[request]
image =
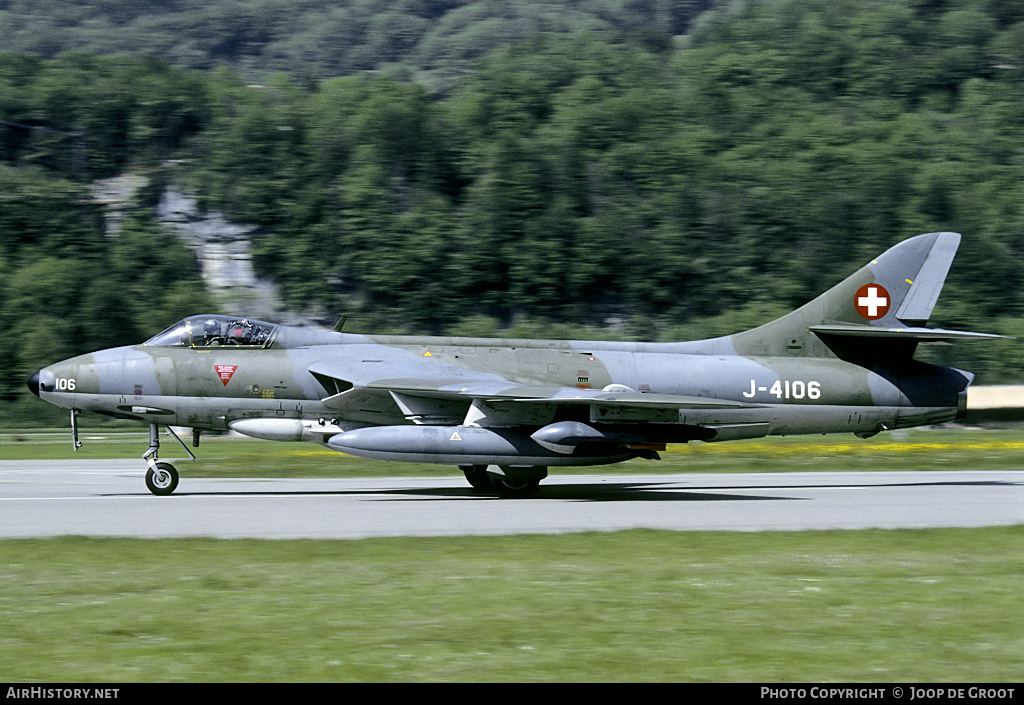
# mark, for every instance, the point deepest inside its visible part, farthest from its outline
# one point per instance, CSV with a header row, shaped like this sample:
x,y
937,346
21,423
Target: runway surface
x,y
109,498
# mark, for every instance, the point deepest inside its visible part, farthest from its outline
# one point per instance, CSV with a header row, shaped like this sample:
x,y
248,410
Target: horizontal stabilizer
x,y
924,335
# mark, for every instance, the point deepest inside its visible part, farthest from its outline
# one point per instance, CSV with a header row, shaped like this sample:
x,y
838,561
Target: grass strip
x,y
878,606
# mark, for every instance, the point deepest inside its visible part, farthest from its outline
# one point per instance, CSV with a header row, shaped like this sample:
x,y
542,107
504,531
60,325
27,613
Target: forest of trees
x,y
660,180
434,40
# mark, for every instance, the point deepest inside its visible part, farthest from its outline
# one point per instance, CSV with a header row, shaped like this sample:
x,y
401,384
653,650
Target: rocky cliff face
x,y
223,248
224,251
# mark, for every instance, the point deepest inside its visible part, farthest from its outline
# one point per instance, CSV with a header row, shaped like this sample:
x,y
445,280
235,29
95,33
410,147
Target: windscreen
x,y
215,331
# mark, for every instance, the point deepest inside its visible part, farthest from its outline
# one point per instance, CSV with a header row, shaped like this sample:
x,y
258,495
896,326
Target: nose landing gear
x,y
162,477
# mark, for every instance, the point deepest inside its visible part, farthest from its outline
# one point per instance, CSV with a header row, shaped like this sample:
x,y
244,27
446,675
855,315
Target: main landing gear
x,y
506,481
162,477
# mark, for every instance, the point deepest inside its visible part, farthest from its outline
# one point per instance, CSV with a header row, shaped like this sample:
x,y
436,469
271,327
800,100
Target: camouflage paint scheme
x,y
505,410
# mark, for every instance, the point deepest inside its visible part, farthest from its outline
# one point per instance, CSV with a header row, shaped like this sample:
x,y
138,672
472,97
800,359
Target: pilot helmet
x,y
211,327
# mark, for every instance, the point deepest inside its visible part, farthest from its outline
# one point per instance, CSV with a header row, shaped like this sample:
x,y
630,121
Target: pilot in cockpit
x,y
212,332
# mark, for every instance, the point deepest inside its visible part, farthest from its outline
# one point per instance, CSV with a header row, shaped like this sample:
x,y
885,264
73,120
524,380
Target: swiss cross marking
x,y
225,372
872,301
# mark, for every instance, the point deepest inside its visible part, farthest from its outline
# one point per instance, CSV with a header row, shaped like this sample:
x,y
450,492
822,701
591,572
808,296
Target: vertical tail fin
x,y
882,305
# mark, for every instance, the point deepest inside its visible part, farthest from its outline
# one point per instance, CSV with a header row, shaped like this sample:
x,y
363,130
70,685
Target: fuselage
x,y
291,375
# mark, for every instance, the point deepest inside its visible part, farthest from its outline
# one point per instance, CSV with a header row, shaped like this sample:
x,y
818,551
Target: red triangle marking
x,y
225,372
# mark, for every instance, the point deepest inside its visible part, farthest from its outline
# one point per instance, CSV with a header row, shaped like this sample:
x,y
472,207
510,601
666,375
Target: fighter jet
x,y
507,410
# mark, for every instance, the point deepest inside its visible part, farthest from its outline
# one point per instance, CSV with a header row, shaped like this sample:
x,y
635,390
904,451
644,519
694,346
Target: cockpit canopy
x,y
216,331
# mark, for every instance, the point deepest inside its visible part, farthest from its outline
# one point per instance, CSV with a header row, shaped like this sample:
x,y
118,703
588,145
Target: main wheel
x,y
514,488
477,476
162,479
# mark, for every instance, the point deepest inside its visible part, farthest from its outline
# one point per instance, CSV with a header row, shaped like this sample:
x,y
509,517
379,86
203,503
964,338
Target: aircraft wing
x,y
491,403
511,392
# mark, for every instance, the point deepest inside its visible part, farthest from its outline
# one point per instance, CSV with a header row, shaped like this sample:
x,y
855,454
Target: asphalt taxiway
x,y
109,498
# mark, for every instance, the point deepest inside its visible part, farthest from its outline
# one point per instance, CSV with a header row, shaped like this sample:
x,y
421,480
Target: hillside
x,y
433,40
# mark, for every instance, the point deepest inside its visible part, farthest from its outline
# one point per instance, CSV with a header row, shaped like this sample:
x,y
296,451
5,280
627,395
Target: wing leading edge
x,y
422,398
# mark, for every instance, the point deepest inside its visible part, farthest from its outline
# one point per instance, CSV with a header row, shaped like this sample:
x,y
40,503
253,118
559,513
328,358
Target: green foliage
x,y
91,117
325,38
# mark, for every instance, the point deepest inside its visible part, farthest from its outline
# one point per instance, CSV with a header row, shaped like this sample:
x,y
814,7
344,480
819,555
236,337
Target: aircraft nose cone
x,y
41,381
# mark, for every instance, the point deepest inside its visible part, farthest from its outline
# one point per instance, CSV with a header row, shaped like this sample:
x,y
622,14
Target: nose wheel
x,y
162,477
